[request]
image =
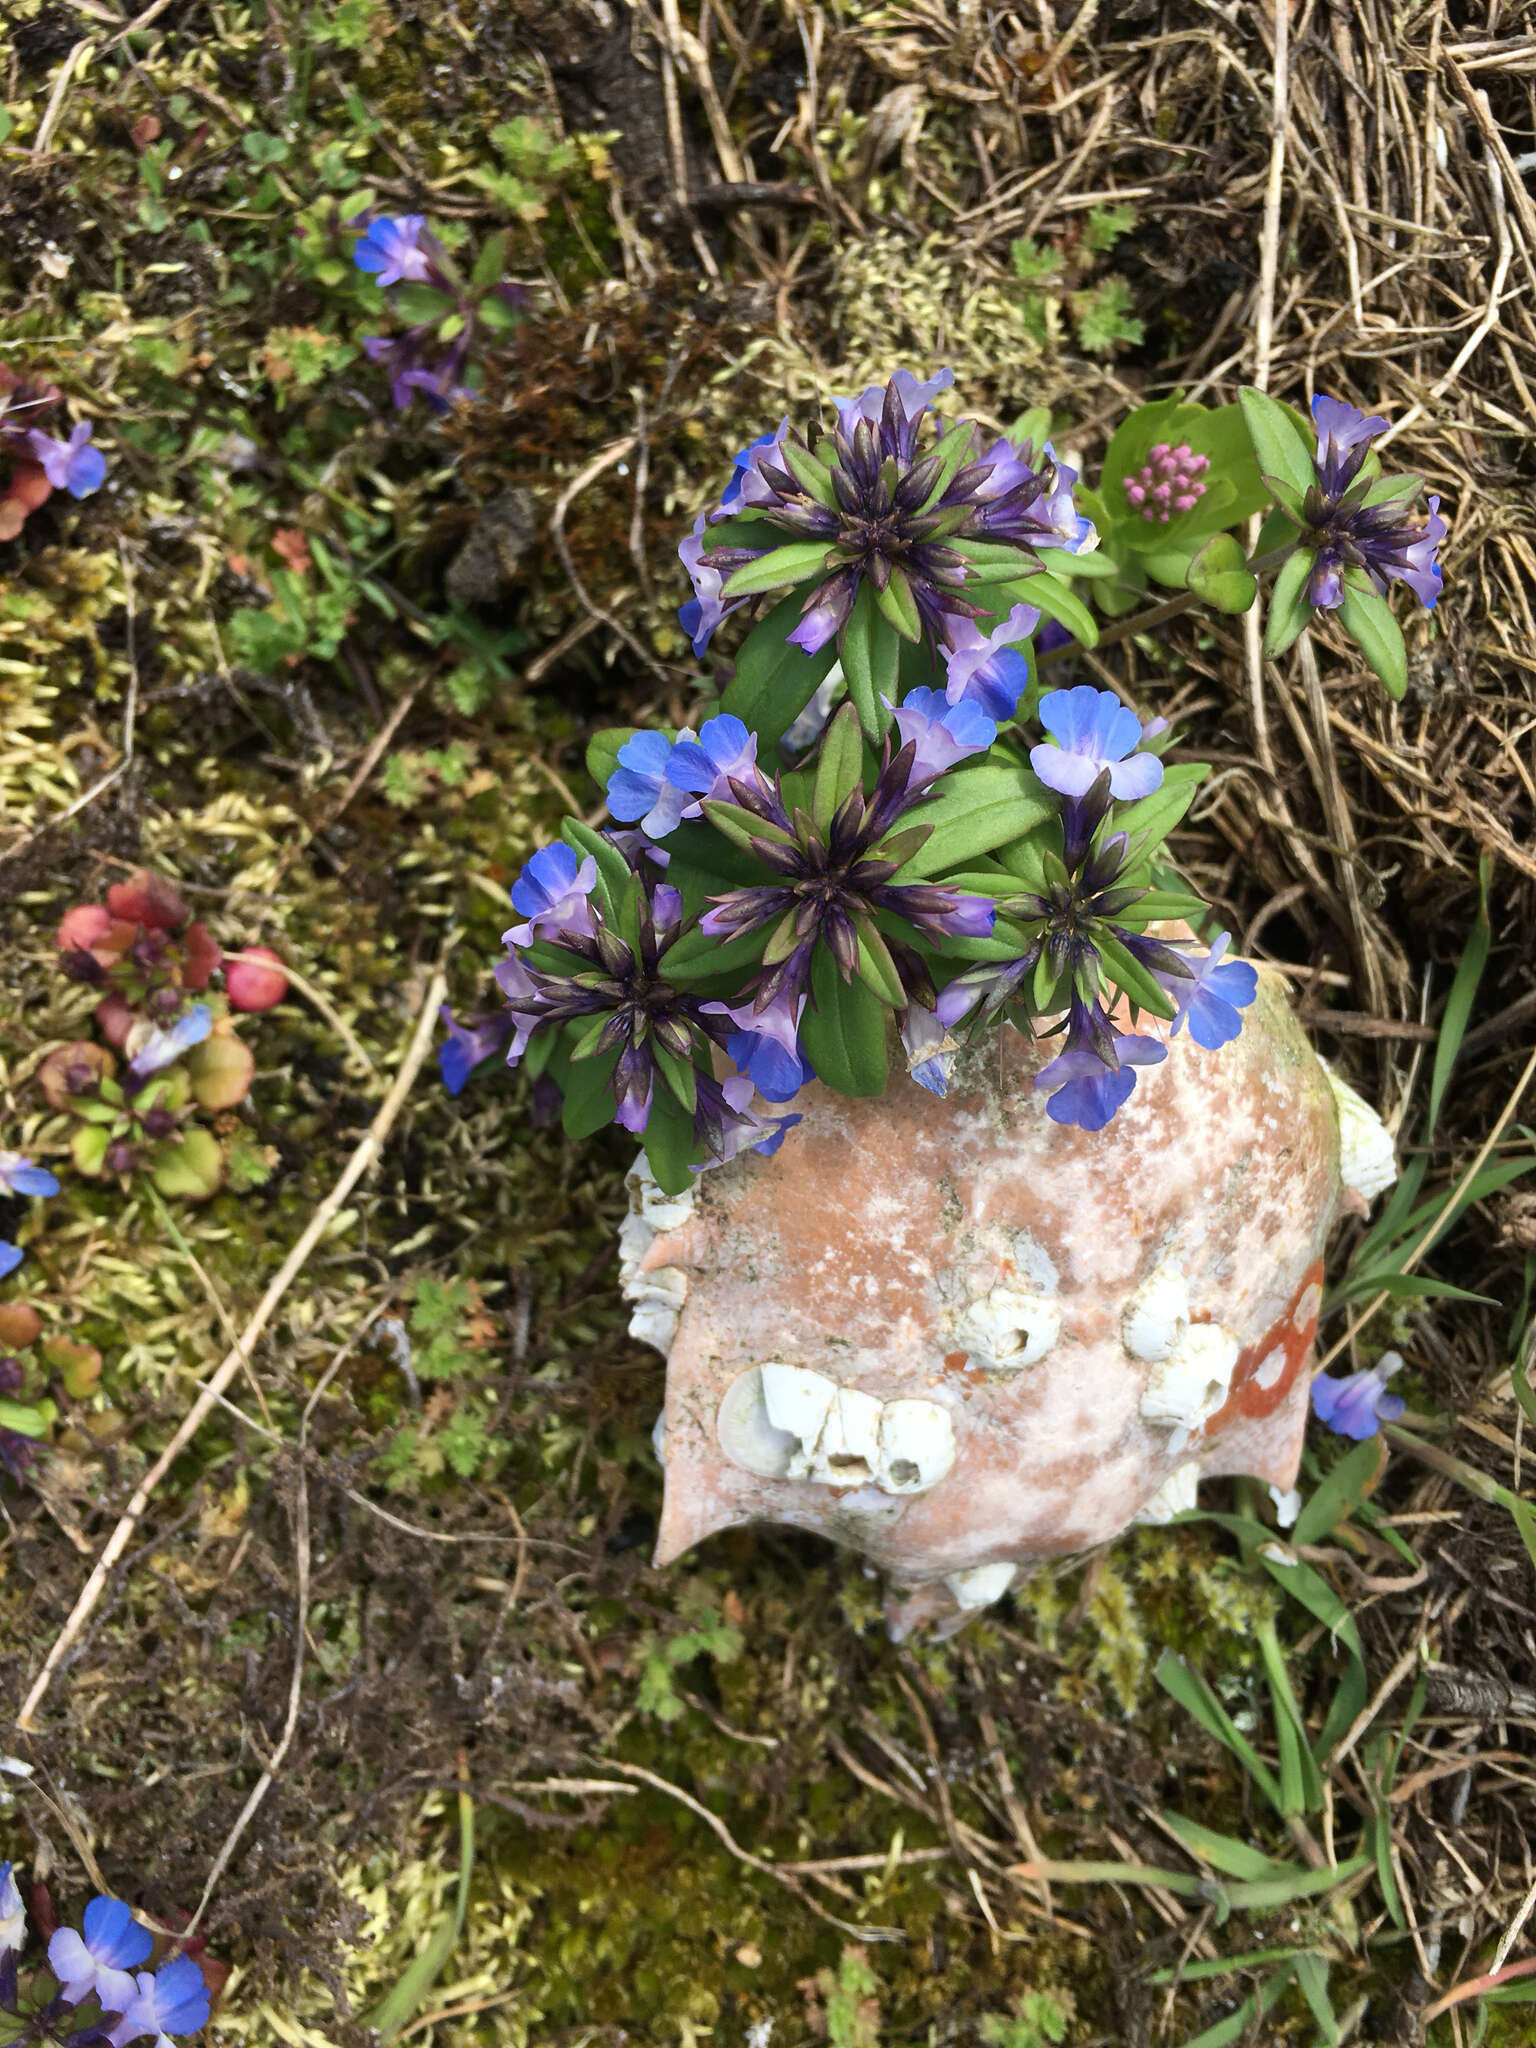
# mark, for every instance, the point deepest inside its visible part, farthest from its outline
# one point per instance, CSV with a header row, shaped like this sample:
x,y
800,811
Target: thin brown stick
x,y
366,1155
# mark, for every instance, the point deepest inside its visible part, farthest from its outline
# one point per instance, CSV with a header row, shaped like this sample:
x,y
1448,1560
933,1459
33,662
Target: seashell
x,y
960,1339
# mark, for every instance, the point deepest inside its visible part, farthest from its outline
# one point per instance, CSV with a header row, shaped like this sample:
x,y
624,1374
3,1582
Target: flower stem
x,y
1170,608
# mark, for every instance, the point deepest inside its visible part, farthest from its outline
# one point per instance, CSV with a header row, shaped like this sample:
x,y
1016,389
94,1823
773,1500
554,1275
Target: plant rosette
x,y
982,1206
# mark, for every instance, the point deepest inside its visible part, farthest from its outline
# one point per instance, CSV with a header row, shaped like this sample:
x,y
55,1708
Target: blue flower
x,y
929,1048
392,250
746,487
100,1960
726,1123
13,1919
552,893
1093,731
11,1256
1357,1405
1211,995
467,1046
167,1042
942,732
704,765
1344,530
766,1044
637,788
987,668
72,465
19,1176
173,2000
705,609
1087,1092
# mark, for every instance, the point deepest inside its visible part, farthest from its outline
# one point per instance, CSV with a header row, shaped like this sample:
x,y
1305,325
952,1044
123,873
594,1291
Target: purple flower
x,y
1344,530
819,625
942,731
552,893
72,465
392,250
1344,437
987,669
468,1045
992,986
19,1176
167,1042
726,1124
13,1920
523,1009
971,918
99,1960
1211,995
634,1082
1093,731
11,1256
912,400
766,1044
173,2000
930,1049
747,487
705,609
1357,1405
1086,1091
1028,503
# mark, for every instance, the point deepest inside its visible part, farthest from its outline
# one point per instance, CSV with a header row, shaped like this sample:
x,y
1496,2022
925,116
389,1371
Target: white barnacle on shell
x,y
981,1585
1367,1157
1175,1496
1008,1328
650,1201
788,1422
657,1297
1156,1318
1192,1383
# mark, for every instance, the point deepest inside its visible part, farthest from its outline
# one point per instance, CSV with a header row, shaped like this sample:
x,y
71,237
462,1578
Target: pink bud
x,y
1184,503
1160,449
251,983
1135,492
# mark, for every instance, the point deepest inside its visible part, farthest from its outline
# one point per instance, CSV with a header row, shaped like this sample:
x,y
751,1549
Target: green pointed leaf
x,y
839,765
777,569
843,1030
671,1148
1458,1004
1093,563
1278,441
495,313
741,827
491,263
877,970
985,804
1057,600
1151,818
871,655
420,304
1351,1481
1196,1697
1223,1852
952,449
1369,622
23,1420
991,561
774,681
614,874
1394,490
899,608
1288,613
1127,972
589,1097
680,1076
813,476
603,752
1220,574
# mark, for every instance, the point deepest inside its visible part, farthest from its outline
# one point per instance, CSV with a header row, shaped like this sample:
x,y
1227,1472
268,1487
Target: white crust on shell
x,y
788,1422
657,1296
981,1585
1008,1328
1174,1497
1187,1388
1156,1317
1367,1156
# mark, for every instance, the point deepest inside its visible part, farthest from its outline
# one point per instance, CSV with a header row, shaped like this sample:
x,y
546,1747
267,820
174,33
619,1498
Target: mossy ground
x,y
480,1611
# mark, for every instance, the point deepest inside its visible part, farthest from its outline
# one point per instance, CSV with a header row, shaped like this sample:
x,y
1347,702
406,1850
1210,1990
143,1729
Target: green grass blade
x,y
1222,1966
1235,2026
1312,1976
1266,1893
399,2005
1458,1006
1223,1852
1196,1697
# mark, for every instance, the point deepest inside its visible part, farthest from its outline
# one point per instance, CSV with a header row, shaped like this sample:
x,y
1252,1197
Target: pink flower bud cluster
x,y
1168,482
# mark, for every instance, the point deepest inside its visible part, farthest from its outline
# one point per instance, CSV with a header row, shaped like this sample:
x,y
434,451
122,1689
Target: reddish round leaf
x,y
252,983
203,954
148,899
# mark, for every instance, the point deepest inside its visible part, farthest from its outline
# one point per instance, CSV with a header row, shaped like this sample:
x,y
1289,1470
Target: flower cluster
x,y
884,832
98,1994
884,506
153,965
1352,520
438,304
39,463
